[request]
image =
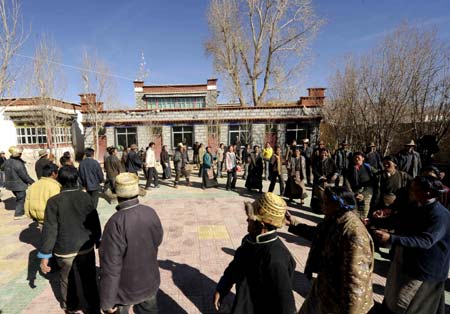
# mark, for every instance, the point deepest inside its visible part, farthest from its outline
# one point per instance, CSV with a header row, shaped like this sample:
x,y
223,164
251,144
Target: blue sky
x,y
171,34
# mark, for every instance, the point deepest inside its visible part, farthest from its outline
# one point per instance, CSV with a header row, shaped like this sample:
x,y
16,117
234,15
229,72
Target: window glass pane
x,y
122,140
177,138
131,139
188,139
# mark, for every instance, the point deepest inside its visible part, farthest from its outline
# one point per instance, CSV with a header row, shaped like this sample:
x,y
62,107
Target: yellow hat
x,y
127,185
269,209
15,151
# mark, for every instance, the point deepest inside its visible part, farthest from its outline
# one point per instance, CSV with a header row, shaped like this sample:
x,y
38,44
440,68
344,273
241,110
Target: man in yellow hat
x,y
128,254
17,179
262,268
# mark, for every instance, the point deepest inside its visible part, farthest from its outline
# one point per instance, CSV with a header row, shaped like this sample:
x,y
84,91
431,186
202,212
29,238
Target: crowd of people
x,y
369,202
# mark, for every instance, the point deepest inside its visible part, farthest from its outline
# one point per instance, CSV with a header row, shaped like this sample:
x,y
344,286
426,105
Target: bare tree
x,y
12,37
48,84
400,88
257,42
99,91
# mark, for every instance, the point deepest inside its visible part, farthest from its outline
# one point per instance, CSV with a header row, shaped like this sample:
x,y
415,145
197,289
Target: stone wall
x,y
89,137
211,98
167,136
201,134
258,134
224,134
294,113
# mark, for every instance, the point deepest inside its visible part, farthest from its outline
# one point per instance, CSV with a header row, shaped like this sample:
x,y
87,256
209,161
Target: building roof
x,y
175,89
35,101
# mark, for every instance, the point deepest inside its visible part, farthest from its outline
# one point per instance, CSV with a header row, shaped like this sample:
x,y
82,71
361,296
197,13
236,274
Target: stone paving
x,y
202,230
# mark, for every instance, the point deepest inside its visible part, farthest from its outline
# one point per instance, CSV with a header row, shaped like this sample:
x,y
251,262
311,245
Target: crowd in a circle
x,y
370,203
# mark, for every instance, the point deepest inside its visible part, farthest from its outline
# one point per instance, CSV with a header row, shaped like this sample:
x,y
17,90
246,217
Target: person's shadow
x,y
32,235
194,285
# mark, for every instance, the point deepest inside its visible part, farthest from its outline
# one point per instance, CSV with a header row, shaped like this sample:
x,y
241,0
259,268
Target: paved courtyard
x,y
202,230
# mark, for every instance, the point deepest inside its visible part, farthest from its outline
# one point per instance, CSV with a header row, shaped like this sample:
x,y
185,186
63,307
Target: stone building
x,y
170,114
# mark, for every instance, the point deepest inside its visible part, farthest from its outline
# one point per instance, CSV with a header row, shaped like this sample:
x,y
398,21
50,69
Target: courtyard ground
x,y
202,230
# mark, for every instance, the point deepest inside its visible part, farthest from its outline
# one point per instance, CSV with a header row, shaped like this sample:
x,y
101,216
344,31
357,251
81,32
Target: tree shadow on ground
x,y
194,285
229,251
381,267
10,203
167,305
301,284
290,238
378,289
32,235
306,216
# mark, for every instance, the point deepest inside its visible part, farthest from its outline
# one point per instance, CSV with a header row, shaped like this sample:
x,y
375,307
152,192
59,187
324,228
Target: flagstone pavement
x,y
202,229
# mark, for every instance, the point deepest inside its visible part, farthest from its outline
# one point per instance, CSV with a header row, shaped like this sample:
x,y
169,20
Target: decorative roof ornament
x,y
143,72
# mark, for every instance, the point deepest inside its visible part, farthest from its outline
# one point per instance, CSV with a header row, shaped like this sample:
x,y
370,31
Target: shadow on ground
x,y
10,203
194,285
167,305
32,235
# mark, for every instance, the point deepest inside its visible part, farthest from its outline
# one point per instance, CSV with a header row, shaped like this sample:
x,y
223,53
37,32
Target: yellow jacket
x,y
38,195
267,153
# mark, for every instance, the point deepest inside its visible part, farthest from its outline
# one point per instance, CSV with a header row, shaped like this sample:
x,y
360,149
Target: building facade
x,y
170,114
40,123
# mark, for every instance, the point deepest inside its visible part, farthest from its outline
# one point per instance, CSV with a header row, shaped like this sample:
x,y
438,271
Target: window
x,y
176,102
296,131
182,134
125,137
62,135
31,135
241,131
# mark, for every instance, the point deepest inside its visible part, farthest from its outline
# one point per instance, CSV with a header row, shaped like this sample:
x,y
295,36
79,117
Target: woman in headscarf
x,y
341,255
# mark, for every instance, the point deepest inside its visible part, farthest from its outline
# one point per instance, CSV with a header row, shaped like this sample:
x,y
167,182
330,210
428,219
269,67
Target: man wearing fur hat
x,y
262,268
17,179
128,254
42,162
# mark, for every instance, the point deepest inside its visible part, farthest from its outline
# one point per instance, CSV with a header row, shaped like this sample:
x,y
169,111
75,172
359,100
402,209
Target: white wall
x,y
8,136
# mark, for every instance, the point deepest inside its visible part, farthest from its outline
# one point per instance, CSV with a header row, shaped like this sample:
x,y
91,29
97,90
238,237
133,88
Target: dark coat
x,y
16,175
164,158
113,167
410,163
71,223
374,159
39,166
343,160
134,163
324,168
424,234
263,271
255,171
128,255
91,174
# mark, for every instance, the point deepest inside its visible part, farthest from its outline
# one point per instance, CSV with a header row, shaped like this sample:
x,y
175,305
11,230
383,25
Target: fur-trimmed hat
x,y
269,209
411,143
127,185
